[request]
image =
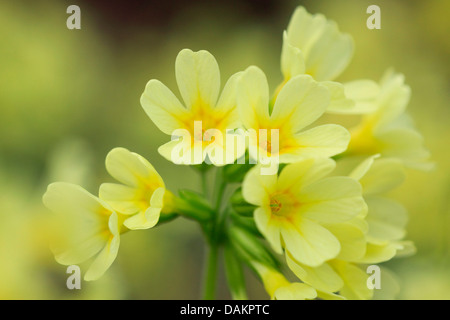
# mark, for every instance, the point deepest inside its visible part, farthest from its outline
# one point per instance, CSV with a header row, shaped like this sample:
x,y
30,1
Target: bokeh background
x,y
69,96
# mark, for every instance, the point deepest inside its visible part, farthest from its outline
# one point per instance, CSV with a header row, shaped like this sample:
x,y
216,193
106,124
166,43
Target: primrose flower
x,y
314,45
141,195
199,129
386,218
89,227
297,210
300,102
279,288
367,239
388,130
335,279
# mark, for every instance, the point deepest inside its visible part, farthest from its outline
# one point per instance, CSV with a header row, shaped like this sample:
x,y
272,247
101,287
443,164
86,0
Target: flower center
x,y
283,204
275,205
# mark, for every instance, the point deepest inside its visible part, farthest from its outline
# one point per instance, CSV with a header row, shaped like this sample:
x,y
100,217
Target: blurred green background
x,y
69,96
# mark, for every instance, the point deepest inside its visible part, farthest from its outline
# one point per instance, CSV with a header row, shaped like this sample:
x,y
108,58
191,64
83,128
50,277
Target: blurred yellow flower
x,y
140,196
386,218
388,130
323,50
204,116
300,102
297,210
88,227
279,288
314,45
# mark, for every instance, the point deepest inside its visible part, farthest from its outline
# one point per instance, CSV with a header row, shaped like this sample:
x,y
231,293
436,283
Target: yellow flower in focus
x,y
300,102
388,130
368,239
297,210
89,227
279,288
142,193
199,128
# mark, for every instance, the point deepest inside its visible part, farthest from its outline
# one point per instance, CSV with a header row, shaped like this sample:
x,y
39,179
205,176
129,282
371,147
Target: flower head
x,y
89,227
300,102
321,49
140,196
296,210
279,288
314,45
388,130
202,122
370,238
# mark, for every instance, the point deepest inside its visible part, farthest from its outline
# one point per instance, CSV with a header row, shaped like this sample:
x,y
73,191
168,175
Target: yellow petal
x,y
339,102
323,141
322,278
295,291
69,199
131,169
269,228
198,77
330,55
363,167
123,199
309,243
352,240
393,98
387,218
355,280
292,61
253,98
377,253
163,107
80,252
181,151
109,253
364,93
295,176
327,52
300,102
227,104
256,187
332,200
405,144
149,218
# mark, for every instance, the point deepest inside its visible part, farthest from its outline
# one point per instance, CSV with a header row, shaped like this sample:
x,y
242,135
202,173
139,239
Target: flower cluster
x,y
318,217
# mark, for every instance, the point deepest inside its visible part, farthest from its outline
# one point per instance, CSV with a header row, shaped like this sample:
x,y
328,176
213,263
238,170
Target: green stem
x,y
218,190
204,183
214,239
209,289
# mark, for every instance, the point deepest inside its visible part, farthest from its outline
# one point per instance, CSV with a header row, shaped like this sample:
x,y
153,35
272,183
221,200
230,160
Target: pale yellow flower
x,y
371,238
199,127
388,130
298,210
279,288
89,227
314,45
140,196
386,217
322,50
300,102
